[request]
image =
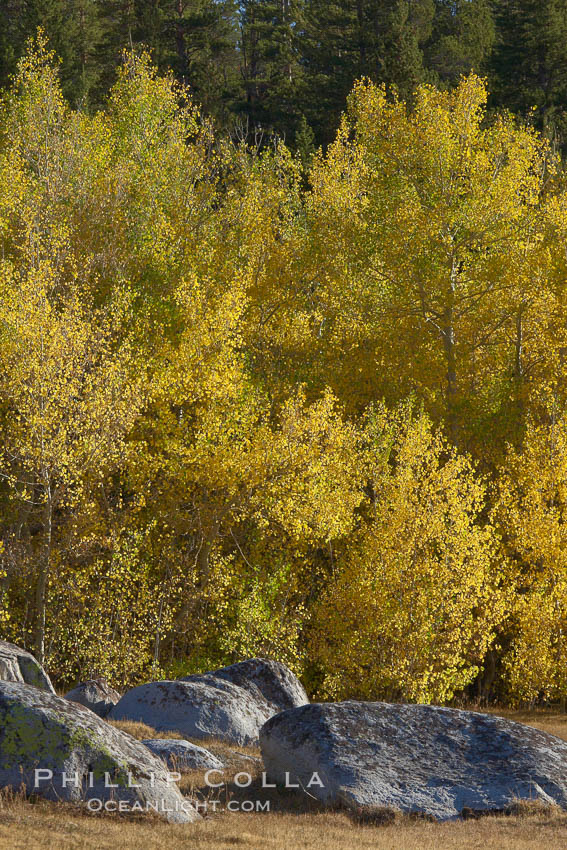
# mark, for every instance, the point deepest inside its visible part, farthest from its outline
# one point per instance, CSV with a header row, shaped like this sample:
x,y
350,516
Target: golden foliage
x,y
207,450
413,604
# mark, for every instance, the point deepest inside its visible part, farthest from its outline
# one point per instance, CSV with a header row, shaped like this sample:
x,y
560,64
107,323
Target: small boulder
x,y
18,665
264,678
414,758
62,751
182,755
95,694
200,708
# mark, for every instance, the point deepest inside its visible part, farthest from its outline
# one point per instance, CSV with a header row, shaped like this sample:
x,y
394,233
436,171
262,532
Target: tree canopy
x,y
309,405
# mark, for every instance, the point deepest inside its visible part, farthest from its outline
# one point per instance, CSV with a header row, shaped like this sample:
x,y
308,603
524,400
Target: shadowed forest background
x,y
282,350
287,66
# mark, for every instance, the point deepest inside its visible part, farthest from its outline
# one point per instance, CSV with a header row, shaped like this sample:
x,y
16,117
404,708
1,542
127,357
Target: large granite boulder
x,y
18,665
183,755
95,694
200,708
62,751
266,680
414,758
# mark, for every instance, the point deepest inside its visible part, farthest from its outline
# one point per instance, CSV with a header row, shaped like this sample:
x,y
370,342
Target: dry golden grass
x,y
60,827
292,823
548,720
140,731
220,748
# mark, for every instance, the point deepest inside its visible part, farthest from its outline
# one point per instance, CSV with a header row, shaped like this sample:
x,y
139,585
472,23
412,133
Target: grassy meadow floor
x,y
290,825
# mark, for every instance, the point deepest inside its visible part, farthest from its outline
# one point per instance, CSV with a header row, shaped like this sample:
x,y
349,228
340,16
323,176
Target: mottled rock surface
x,y
40,731
95,694
414,758
200,708
231,703
265,680
183,755
18,665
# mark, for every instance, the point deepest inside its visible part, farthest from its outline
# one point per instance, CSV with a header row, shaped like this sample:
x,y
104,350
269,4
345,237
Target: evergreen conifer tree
x,y
530,61
379,39
271,65
462,39
75,30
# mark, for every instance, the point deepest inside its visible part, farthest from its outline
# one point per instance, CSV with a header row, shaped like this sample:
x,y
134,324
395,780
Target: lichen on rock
x,y
86,757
